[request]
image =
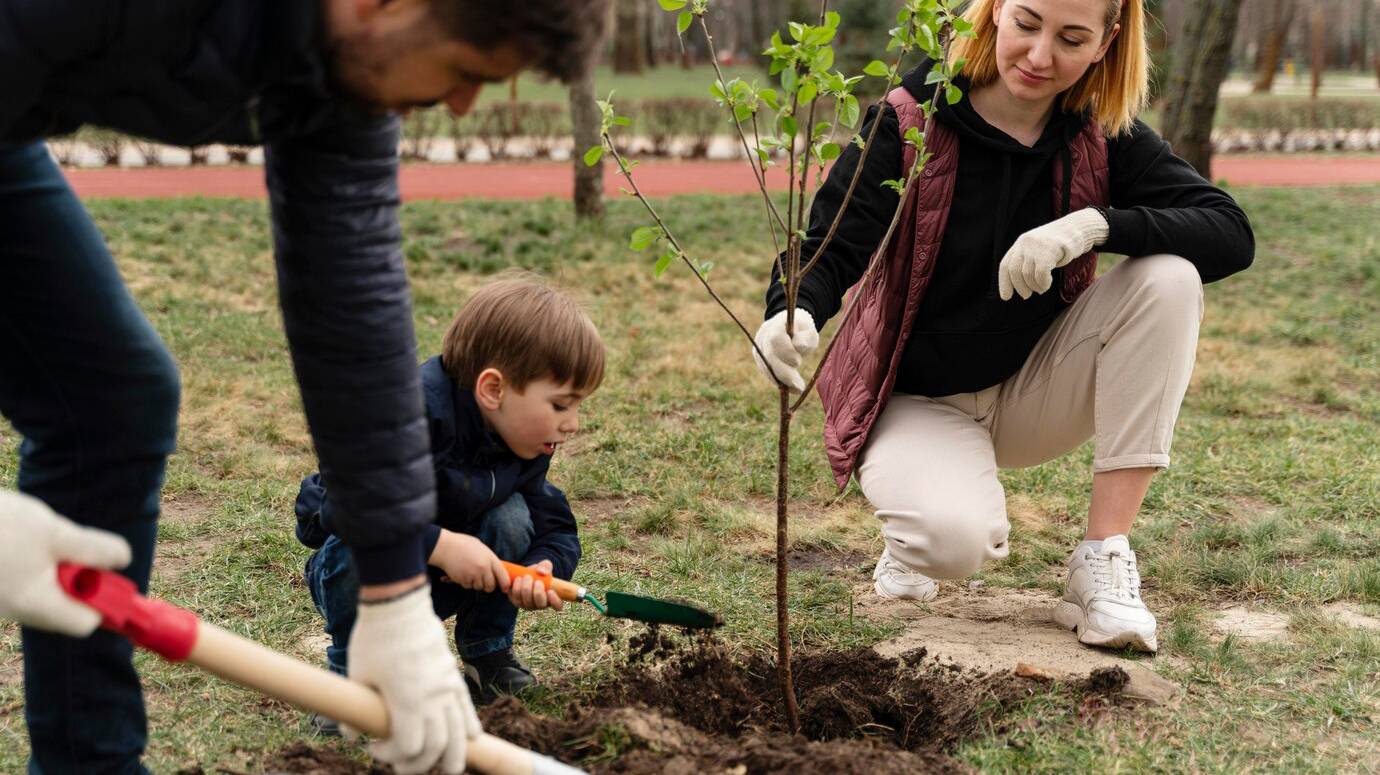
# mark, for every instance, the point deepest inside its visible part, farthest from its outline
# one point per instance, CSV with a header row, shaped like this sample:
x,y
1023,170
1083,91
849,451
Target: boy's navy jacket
x,y
190,72
475,472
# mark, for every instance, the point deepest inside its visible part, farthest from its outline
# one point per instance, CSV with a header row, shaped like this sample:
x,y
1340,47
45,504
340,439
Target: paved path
x,y
534,180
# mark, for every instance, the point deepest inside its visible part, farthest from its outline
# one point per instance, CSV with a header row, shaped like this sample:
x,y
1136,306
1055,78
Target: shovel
x,y
620,605
177,635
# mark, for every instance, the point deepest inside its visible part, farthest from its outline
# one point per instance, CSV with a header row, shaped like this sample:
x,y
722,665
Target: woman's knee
x,y
945,543
1172,282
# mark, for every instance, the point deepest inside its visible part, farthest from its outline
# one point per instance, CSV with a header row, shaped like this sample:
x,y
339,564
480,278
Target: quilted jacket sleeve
x,y
348,315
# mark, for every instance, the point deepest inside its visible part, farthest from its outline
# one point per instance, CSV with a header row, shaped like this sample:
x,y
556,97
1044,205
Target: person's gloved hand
x,y
33,540
784,352
1028,267
399,647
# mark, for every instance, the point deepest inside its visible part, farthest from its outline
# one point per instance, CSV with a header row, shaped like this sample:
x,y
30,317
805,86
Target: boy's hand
x,y
469,563
527,593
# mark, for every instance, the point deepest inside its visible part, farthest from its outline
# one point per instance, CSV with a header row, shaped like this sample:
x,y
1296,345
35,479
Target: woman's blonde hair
x,y
1115,89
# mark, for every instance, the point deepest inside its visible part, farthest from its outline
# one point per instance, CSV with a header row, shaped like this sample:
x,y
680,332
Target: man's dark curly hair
x,y
563,36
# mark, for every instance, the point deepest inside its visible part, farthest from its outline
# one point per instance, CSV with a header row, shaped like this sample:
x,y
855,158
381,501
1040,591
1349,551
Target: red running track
x,y
534,180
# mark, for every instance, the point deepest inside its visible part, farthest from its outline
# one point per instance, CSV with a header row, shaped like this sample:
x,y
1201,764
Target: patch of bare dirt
x,y
1259,625
172,559
992,631
1351,616
1252,625
680,706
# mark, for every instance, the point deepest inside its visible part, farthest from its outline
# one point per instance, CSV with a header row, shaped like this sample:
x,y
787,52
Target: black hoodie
x,y
965,338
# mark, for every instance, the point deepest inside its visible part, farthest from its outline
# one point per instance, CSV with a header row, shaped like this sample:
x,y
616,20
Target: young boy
x,y
516,363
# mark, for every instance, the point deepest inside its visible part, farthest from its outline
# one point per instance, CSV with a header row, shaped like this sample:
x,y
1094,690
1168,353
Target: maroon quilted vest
x,y
859,375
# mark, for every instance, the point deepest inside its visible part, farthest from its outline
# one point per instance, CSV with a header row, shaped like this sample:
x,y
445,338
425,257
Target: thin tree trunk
x,y
783,616
1191,97
584,118
1272,45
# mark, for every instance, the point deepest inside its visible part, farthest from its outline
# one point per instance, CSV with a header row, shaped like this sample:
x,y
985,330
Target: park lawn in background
x,y
666,81
1273,502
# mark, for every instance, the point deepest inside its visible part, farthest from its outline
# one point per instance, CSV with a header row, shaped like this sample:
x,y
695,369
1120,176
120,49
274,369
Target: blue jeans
x,y
90,387
484,621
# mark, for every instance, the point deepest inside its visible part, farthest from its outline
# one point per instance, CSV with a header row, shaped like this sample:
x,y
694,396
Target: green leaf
x,y
850,111
860,142
622,121
832,19
808,91
742,112
898,185
928,41
664,262
789,125
824,59
829,151
671,5
962,26
797,31
644,237
705,266
934,76
878,68
913,136
770,97
593,155
953,94
789,79
684,21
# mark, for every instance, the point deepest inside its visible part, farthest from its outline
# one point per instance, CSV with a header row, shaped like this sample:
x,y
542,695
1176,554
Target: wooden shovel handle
x,y
565,590
250,664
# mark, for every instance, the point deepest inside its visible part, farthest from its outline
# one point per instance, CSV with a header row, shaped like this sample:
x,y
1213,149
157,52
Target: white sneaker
x,y
894,581
1102,598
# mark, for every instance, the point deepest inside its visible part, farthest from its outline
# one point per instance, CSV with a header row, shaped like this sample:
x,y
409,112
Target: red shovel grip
x,y
162,628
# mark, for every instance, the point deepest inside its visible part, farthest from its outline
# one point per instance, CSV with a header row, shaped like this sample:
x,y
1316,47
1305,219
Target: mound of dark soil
x,y
683,706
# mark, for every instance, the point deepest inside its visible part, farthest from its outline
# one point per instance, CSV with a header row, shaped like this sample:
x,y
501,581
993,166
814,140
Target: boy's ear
x,y
488,389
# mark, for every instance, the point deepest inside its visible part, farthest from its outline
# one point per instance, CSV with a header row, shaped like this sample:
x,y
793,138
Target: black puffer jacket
x,y
475,472
253,71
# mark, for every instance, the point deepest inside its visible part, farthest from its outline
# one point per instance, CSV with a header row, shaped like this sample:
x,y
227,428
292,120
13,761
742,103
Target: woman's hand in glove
x,y
783,352
1028,267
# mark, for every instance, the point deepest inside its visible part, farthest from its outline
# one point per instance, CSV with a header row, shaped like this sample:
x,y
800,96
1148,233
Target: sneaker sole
x,y
929,595
1070,615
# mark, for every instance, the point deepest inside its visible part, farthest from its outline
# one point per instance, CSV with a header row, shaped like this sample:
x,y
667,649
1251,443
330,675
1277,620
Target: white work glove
x,y
399,647
33,540
1028,267
784,352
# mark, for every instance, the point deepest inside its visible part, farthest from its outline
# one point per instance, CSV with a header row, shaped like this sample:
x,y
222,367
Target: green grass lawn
x,y
1273,501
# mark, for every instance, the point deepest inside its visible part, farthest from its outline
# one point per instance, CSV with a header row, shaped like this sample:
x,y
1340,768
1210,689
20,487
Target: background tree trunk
x,y
1199,68
628,49
584,117
1317,46
1272,44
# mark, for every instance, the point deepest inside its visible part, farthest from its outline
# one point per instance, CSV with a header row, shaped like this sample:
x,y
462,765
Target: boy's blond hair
x,y
1115,90
528,331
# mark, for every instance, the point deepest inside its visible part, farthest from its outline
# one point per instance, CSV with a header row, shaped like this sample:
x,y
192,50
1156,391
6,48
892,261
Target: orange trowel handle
x,y
565,590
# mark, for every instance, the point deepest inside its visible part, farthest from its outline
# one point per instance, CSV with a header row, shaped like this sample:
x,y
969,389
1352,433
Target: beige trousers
x,y
1114,366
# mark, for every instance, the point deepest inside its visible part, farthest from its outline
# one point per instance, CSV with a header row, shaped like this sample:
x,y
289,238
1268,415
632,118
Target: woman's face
x,y
1045,46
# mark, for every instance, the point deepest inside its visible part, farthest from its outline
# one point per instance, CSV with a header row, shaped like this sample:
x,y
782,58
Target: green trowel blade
x,y
649,609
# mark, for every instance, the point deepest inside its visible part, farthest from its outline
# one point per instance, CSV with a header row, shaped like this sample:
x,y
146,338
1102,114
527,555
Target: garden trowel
x,y
178,635
621,605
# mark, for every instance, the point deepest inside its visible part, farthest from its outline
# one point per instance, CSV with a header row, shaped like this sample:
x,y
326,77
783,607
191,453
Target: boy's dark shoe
x,y
324,726
496,674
